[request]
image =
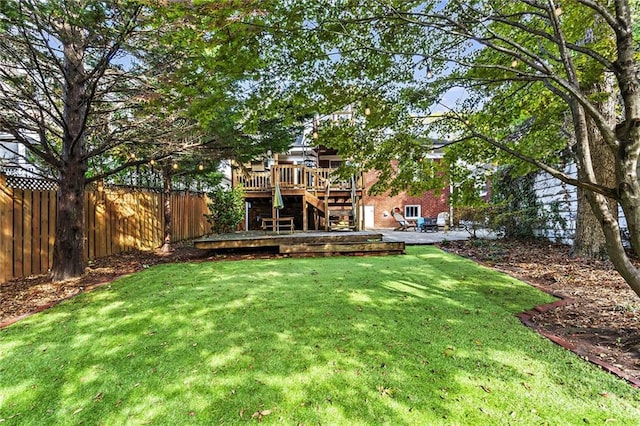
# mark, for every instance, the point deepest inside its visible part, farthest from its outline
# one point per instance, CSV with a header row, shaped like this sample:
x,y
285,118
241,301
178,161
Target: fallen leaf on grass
x,y
260,414
485,388
385,391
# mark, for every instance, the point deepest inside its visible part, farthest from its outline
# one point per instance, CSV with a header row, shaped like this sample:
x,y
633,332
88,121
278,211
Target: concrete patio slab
x,y
418,238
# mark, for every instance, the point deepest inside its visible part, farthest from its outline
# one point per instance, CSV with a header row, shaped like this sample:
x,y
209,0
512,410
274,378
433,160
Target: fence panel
x,y
116,220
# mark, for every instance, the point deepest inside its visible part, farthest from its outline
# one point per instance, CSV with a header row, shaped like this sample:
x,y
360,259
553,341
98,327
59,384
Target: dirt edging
x,y
527,318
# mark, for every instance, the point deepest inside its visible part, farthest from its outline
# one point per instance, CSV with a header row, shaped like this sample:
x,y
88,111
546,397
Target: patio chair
x,y
443,220
429,224
404,224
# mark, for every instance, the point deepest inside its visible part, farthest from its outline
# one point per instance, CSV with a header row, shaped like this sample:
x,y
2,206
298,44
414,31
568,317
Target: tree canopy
x,y
92,88
496,80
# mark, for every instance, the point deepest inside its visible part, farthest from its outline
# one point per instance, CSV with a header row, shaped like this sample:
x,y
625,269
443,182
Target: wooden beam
x,y
251,241
343,247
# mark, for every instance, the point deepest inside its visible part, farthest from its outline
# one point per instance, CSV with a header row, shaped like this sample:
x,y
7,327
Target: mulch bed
x,y
598,317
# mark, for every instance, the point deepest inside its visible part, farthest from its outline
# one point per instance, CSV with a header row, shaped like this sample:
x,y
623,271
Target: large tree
x,y
405,57
94,87
70,90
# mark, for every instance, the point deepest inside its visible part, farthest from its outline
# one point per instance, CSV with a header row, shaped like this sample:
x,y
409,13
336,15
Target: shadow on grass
x,y
422,338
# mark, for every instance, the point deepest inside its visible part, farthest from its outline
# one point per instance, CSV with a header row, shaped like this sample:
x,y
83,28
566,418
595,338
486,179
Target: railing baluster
x,y
295,176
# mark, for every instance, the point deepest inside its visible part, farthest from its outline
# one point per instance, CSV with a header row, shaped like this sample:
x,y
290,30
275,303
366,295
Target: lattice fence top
x,y
36,184
33,184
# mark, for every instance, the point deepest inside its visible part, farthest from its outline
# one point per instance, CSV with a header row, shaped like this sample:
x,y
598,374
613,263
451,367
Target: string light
x,y
429,73
558,11
514,63
175,166
367,110
200,167
152,162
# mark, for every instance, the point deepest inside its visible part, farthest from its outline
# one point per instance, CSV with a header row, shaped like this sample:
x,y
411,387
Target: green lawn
x,y
426,338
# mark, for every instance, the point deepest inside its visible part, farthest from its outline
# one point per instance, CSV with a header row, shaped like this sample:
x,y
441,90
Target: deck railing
x,y
291,176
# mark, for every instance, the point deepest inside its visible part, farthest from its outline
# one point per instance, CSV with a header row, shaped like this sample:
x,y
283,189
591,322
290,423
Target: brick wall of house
x,y
430,203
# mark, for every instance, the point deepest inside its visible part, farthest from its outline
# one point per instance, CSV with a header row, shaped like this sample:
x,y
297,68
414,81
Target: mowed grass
x,y
426,338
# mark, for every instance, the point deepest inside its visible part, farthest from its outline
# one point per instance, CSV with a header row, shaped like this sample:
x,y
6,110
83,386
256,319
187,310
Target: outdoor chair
x,y
429,224
404,224
443,220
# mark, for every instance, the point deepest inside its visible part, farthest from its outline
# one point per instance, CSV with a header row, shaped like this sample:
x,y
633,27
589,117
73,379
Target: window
x,y
412,212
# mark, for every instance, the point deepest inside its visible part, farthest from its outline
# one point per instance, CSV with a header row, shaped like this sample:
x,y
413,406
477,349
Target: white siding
x,y
560,198
552,192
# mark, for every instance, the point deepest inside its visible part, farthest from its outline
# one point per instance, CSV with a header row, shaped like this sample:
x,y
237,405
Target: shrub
x,y
227,209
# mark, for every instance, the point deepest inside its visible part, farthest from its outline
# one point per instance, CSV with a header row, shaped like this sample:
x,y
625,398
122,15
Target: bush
x,y
514,210
227,209
473,218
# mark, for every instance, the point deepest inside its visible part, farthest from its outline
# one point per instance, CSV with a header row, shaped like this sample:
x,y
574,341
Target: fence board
x,y
53,217
27,230
35,234
88,227
101,225
6,231
116,220
44,240
18,234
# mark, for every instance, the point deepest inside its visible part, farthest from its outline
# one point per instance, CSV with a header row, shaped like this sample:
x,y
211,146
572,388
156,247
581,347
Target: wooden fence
x,y
116,220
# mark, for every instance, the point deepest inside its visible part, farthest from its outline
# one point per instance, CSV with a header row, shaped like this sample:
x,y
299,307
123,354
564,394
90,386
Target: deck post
x,y
305,218
273,185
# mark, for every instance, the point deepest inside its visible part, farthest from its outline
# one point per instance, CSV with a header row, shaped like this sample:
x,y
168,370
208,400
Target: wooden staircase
x,y
338,207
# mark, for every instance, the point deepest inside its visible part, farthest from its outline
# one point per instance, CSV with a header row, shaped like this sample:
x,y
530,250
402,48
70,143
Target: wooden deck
x,y
304,243
322,200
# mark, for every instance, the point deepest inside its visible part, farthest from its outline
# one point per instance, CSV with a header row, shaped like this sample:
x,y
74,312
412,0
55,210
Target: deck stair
x,y
340,219
340,208
314,201
345,247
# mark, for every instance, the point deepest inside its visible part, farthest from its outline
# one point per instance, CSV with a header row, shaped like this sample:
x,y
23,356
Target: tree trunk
x,y
166,245
600,204
589,240
68,249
